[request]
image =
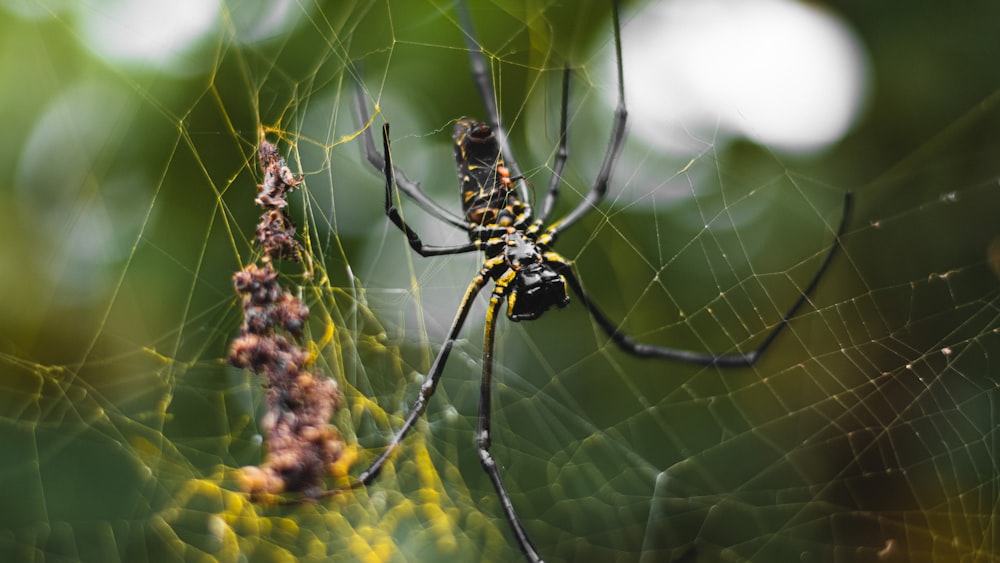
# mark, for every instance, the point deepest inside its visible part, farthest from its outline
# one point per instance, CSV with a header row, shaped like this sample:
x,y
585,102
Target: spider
x,y
516,244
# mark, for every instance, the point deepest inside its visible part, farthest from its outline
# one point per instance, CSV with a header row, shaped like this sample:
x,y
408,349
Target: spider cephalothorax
x,y
531,284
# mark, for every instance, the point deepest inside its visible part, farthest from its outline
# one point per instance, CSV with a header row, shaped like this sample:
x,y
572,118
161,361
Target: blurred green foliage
x,y
868,432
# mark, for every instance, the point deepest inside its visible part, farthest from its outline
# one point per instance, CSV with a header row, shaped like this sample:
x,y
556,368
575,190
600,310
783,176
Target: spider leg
x,y
484,83
561,155
483,438
599,188
393,213
627,344
429,384
408,187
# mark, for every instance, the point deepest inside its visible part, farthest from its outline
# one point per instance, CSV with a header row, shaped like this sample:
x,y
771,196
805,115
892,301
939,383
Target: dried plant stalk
x,y
302,446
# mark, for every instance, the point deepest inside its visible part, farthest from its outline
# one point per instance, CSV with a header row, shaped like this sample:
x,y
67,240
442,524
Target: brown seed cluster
x,y
275,231
302,445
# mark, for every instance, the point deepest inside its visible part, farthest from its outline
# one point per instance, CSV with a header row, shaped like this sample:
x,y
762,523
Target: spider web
x,y
867,432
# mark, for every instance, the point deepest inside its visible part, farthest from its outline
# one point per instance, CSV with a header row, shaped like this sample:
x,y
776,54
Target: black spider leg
x,y
562,154
483,438
599,187
626,343
430,383
408,187
393,213
484,83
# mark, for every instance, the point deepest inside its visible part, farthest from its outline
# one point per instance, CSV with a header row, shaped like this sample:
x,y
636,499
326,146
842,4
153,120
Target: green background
x,y
867,433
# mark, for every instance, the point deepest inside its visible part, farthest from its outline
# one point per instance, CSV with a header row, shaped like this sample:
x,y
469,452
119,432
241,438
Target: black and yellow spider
x,y
526,273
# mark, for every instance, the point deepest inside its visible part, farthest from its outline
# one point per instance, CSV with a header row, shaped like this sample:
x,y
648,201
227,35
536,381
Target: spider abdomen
x,y
488,195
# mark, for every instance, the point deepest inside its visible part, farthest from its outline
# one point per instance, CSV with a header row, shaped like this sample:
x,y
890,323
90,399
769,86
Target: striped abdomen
x,y
488,196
